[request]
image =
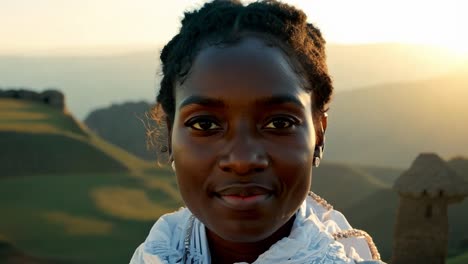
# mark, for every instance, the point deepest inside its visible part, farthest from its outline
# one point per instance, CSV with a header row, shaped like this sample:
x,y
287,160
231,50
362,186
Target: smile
x,y
243,197
244,202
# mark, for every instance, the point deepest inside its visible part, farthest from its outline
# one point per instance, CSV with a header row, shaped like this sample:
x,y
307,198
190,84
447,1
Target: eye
x,y
203,124
281,123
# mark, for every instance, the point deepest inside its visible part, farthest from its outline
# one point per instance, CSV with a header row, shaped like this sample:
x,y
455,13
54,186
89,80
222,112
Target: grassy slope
x,y
93,215
385,175
462,259
23,153
344,185
21,119
10,254
61,217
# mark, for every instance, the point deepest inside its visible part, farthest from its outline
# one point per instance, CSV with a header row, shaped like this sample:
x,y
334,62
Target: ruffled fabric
x,y
310,240
307,243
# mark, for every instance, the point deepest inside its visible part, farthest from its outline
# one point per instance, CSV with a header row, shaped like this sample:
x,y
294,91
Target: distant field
x,y
462,259
67,195
35,131
354,184
22,115
68,217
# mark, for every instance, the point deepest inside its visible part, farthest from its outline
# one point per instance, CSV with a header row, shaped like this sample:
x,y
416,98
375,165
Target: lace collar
x,y
180,238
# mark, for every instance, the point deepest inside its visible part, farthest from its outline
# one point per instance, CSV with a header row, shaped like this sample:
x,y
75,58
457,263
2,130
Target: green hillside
x,y
129,133
384,174
344,185
10,254
34,131
461,259
43,153
68,196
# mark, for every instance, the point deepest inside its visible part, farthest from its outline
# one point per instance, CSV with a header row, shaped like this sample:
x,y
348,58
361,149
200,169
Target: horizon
x,y
115,77
124,50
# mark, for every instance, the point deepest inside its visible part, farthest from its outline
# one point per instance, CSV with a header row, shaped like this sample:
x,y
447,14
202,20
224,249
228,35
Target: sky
x,y
29,26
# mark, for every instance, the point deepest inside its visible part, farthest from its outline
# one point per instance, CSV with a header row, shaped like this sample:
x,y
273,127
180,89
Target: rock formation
x,y
53,98
426,190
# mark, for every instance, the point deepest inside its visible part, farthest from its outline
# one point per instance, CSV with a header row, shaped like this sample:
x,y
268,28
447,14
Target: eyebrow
x,y
201,100
272,100
278,99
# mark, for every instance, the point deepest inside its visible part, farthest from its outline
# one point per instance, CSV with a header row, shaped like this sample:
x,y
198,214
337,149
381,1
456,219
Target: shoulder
x,y
357,244
169,224
163,240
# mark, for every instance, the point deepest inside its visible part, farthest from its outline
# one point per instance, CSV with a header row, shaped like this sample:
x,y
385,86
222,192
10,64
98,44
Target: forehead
x,y
242,71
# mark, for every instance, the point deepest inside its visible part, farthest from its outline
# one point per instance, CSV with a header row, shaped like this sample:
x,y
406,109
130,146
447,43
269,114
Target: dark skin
x,y
223,251
243,139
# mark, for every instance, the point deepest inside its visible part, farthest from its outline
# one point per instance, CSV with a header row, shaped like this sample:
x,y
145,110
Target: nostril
x,y
226,169
243,163
258,169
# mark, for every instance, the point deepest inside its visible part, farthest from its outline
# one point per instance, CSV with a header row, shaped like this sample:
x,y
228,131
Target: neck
x,y
223,251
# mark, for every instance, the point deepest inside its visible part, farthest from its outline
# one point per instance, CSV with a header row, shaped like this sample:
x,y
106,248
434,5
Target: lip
x,y
243,197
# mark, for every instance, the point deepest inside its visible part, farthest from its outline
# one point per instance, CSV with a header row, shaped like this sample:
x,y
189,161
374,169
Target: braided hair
x,y
223,22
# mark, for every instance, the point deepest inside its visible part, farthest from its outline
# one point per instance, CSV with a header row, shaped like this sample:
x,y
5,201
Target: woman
x,y
244,94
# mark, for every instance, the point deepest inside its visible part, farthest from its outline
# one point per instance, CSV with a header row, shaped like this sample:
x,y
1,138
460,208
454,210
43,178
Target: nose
x,y
244,155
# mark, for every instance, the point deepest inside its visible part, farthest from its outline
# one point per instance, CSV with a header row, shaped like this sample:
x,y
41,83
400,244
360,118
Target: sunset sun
x,y
460,48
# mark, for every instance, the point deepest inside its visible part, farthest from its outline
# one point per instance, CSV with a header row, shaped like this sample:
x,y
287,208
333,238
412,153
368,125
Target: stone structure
x,y
421,230
53,98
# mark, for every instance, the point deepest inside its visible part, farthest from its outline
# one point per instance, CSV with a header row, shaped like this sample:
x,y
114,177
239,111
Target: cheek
x,y
193,161
294,164
191,151
296,167
297,150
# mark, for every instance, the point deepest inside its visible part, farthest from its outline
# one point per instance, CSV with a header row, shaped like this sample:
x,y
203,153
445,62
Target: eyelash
x,y
194,122
197,120
290,120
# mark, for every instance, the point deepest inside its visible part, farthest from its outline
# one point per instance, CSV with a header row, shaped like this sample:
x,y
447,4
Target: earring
x,y
318,155
316,161
173,166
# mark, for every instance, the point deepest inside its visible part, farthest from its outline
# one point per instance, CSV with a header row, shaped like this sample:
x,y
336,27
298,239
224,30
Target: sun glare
x,y
457,44
447,33
454,37
459,48
56,24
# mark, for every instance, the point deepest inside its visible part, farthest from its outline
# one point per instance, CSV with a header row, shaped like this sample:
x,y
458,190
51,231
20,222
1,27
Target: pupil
x,y
280,123
205,125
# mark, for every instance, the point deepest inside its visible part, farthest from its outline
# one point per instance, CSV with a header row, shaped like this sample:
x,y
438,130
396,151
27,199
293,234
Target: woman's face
x,y
243,140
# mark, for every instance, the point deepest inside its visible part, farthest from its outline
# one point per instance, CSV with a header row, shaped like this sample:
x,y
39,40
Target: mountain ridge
x,y
94,81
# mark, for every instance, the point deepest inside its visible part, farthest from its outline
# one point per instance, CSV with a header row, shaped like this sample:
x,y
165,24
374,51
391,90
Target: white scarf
x,y
310,240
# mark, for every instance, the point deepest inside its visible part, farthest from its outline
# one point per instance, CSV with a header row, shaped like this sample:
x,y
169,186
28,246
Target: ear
x,y
320,128
169,138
